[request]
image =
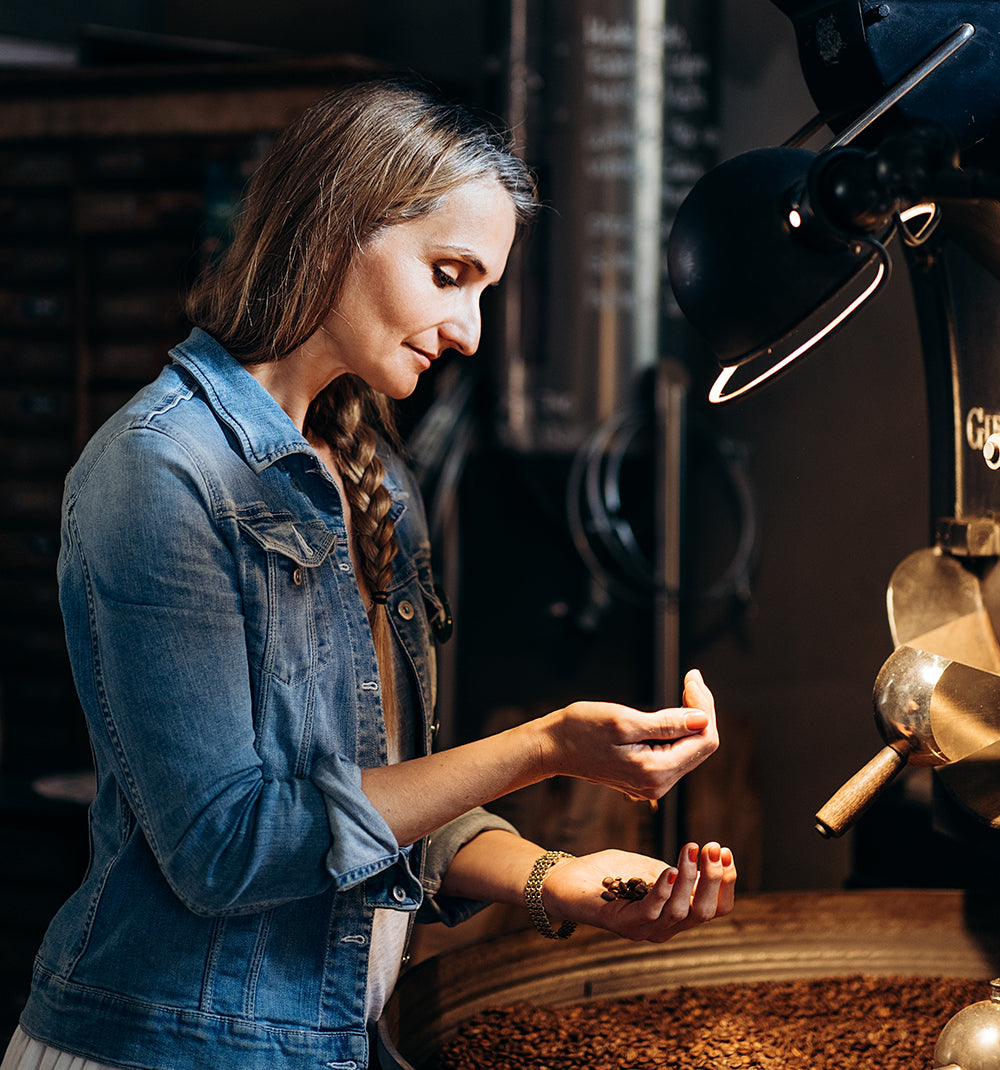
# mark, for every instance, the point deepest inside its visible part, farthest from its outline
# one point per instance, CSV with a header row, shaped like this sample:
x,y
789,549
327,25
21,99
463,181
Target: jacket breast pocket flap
x,y
306,542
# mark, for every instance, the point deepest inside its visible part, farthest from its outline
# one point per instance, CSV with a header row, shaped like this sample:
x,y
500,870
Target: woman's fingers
x,y
727,893
591,889
714,894
678,906
641,754
696,692
704,889
699,888
663,726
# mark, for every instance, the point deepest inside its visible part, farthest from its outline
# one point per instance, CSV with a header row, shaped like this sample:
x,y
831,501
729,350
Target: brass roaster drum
x,y
772,937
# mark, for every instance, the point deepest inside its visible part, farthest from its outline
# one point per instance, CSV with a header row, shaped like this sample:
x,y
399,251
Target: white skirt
x,y
23,1053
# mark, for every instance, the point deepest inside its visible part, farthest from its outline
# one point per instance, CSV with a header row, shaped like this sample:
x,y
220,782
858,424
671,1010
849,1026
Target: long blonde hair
x,y
364,157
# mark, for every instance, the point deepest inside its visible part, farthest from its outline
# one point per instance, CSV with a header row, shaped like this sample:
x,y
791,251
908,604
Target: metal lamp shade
x,y
742,275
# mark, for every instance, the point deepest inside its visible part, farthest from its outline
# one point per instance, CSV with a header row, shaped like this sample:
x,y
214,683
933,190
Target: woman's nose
x,y
463,331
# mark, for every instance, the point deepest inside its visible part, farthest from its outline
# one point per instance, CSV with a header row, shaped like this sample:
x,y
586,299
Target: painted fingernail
x,y
671,875
714,852
727,856
695,721
693,853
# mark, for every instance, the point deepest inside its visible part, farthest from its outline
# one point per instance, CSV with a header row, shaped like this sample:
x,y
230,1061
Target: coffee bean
x,y
846,1023
633,889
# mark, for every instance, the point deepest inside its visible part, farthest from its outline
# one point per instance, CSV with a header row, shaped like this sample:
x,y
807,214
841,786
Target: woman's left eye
x,y
442,278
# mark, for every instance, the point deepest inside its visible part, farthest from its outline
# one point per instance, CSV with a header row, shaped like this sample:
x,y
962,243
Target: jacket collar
x,y
263,429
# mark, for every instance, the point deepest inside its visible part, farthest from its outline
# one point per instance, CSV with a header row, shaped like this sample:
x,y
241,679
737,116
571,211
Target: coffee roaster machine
x,y
797,240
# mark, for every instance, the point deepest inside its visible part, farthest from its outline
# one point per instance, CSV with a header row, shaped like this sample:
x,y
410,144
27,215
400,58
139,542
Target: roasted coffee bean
x,y
845,1023
615,888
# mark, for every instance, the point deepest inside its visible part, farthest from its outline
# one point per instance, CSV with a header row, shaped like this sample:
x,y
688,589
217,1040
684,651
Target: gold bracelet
x,y
533,898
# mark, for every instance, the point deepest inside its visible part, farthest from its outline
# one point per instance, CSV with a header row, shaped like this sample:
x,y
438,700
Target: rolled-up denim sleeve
x,y
362,844
440,848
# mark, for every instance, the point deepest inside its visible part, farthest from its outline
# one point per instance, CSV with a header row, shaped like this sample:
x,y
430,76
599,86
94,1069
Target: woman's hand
x,y
700,887
641,754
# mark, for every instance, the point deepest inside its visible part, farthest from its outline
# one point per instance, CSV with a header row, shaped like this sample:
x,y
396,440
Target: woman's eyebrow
x,y
467,255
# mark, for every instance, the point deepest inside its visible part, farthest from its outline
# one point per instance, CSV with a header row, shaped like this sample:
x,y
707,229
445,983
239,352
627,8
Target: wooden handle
x,y
854,798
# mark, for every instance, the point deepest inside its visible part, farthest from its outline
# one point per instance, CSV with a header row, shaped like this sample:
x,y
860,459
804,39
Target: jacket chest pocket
x,y
287,587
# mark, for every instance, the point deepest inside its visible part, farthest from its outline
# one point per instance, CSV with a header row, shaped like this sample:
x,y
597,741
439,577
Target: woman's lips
x,y
429,357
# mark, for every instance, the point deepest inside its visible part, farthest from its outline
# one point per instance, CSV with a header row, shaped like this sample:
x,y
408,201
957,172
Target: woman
x,y
245,583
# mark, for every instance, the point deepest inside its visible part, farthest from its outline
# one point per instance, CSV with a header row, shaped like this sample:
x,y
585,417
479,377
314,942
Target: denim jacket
x,y
223,658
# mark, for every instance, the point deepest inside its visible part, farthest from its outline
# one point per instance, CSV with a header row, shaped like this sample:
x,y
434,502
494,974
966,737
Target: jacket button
x,y
405,610
435,728
399,894
297,577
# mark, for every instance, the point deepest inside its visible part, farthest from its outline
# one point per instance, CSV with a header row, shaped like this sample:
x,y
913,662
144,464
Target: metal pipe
x,y
951,44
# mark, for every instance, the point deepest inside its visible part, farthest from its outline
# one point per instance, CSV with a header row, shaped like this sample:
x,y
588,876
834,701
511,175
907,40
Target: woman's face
x,y
414,290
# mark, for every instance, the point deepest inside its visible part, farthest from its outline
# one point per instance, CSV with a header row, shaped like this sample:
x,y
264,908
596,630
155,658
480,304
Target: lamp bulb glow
x,y
718,393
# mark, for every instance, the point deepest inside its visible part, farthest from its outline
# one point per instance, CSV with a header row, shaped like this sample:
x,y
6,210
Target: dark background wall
x,y
444,41
838,453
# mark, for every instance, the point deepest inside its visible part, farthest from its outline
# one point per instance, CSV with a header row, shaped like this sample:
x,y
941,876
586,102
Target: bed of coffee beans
x,y
847,1023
